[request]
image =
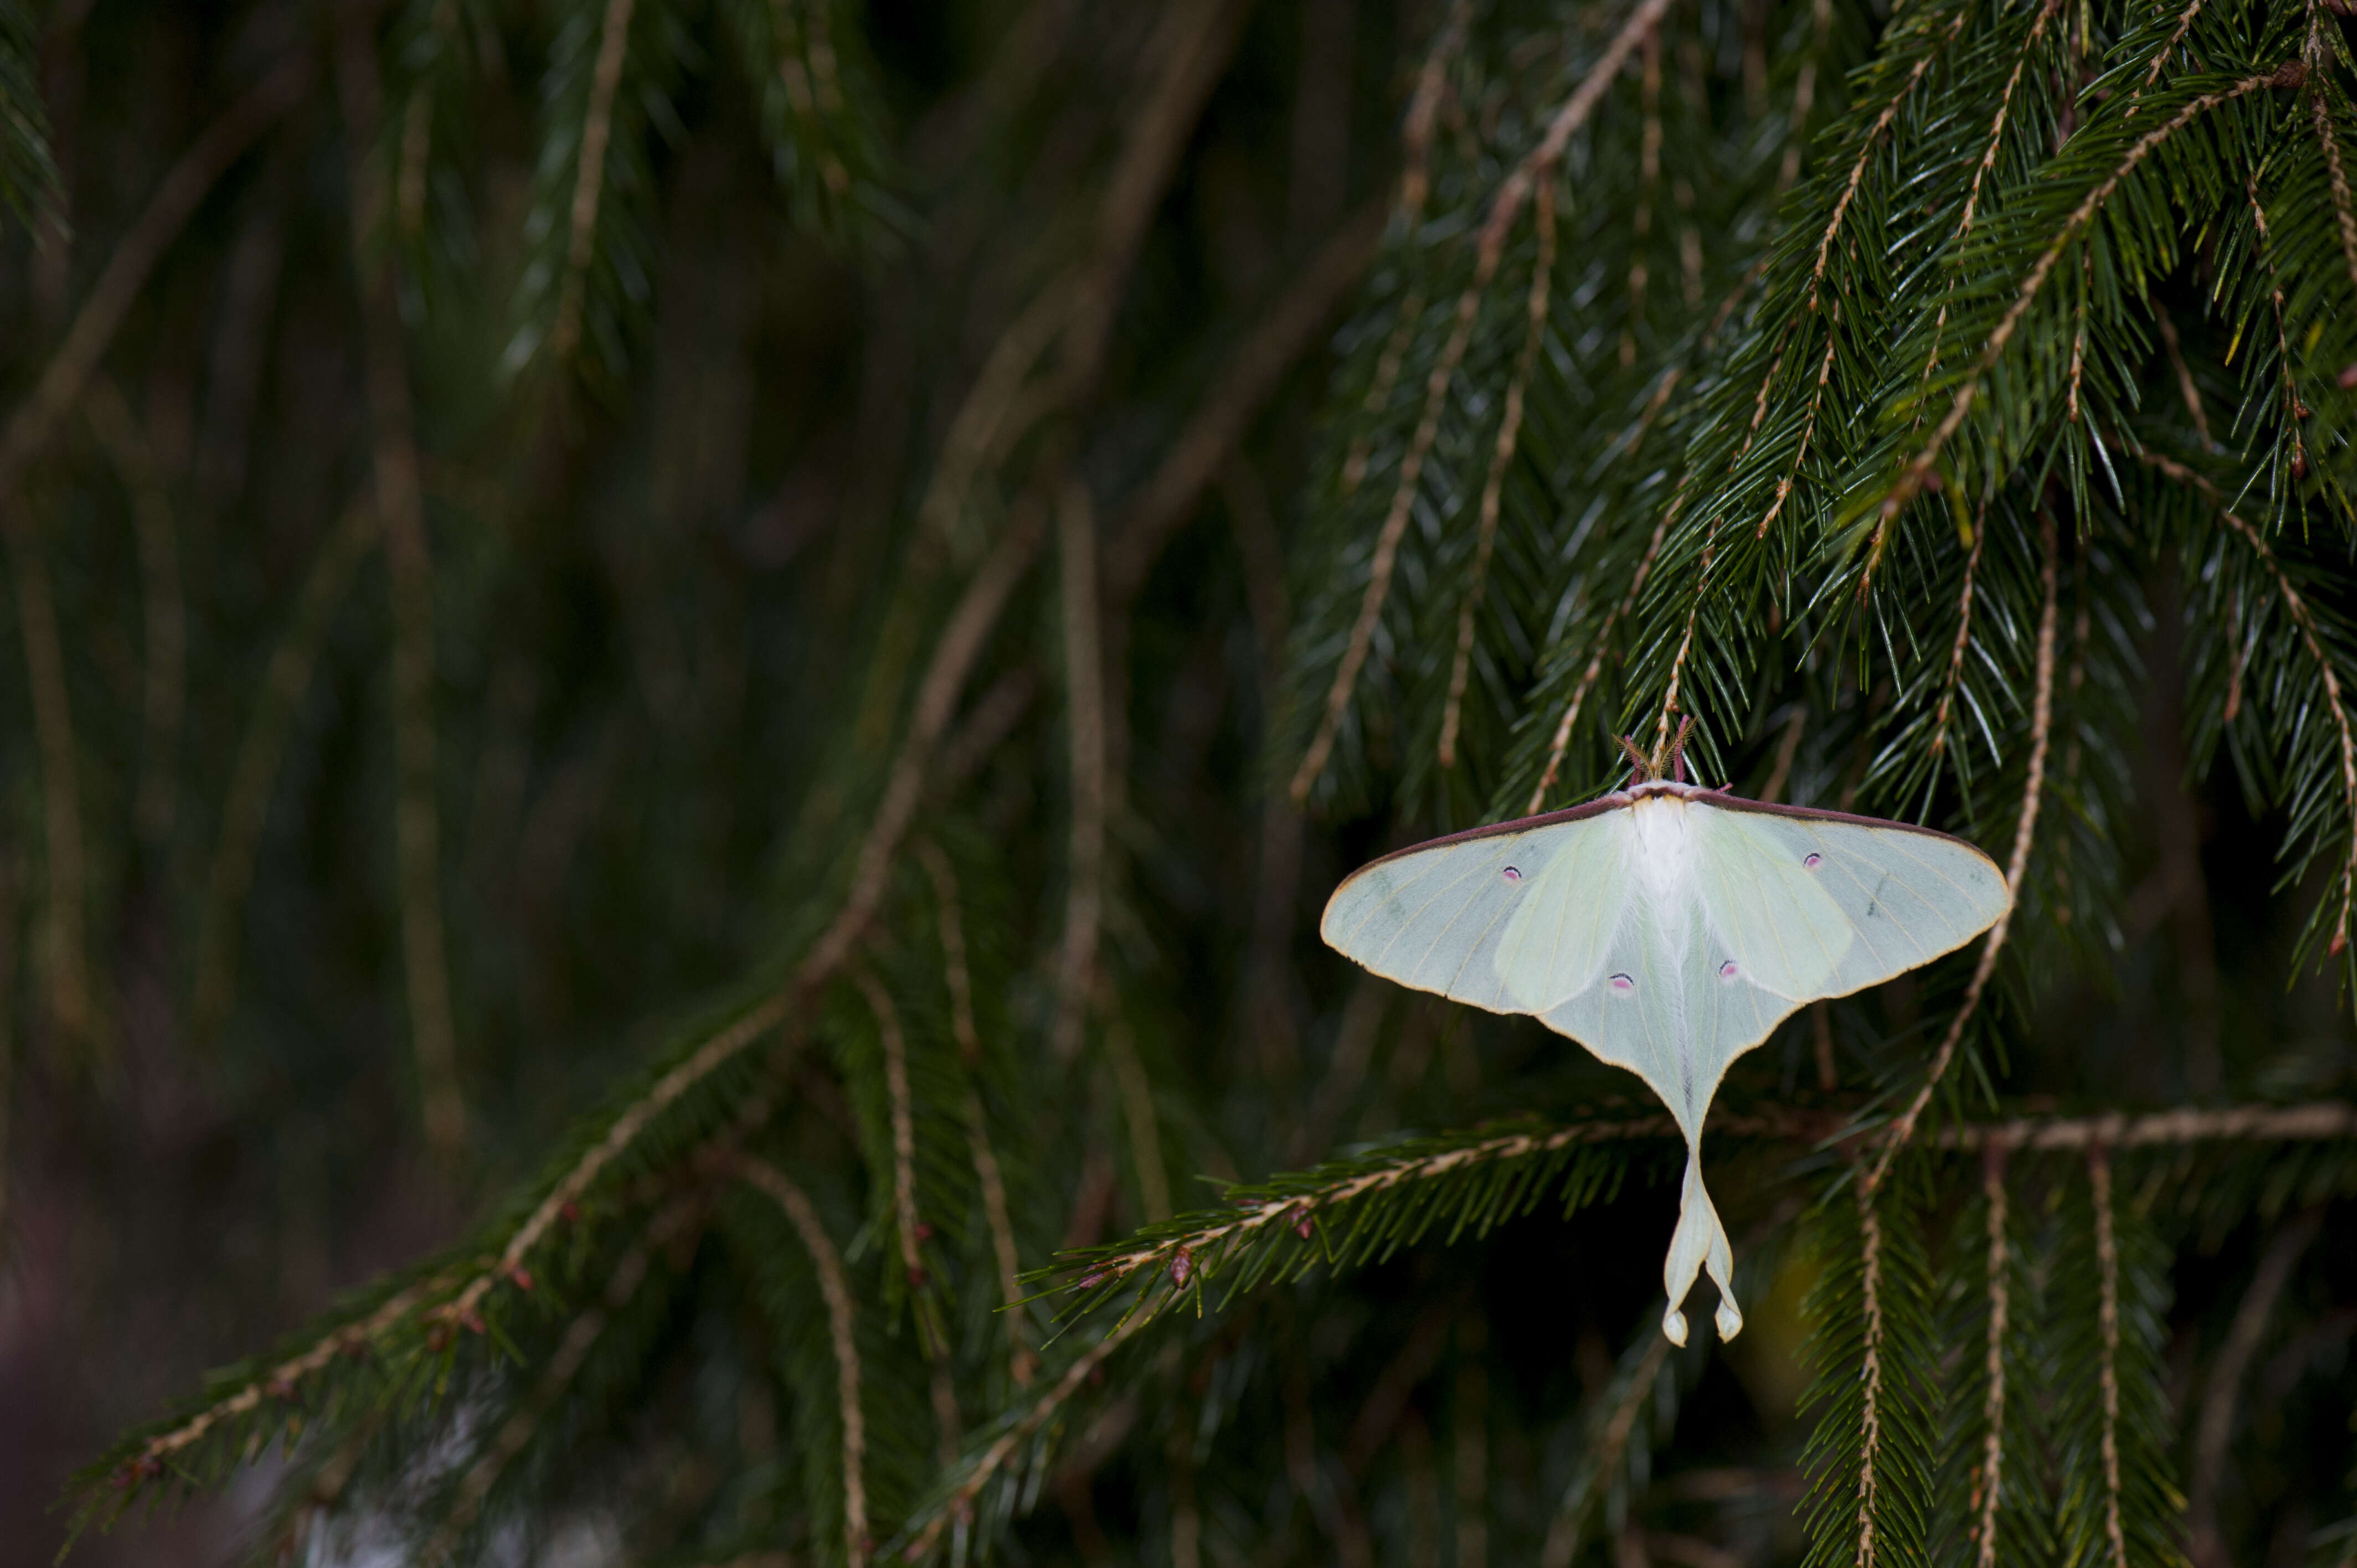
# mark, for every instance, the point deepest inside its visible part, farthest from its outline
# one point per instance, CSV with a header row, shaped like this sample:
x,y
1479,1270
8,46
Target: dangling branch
x,y
903,1119
1085,691
1510,430
2107,1268
1009,1444
1869,1221
841,1330
2297,609
590,178
1021,1361
1988,1476
2041,722
1917,472
1540,163
400,513
1964,632
581,1336
245,807
1588,677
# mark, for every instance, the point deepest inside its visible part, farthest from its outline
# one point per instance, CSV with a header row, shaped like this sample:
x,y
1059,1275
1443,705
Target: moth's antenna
x,y
1645,768
1678,747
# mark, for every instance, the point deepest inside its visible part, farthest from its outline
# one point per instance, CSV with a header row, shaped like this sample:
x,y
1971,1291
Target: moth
x,y
1669,928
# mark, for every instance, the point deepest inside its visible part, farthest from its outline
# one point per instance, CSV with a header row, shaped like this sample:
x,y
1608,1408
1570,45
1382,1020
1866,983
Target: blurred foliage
x,y
683,677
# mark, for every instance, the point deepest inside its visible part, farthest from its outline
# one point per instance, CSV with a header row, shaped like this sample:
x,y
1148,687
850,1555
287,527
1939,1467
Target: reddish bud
x,y
473,1320
2299,466
2339,943
280,1388
916,1279
2349,378
570,1212
1182,1263
521,1277
1091,1282
1301,1224
924,1231
2301,410
438,1339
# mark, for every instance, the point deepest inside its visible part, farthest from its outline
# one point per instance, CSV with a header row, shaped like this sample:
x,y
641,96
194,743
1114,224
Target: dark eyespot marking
x,y
1511,875
1727,971
1810,861
1623,985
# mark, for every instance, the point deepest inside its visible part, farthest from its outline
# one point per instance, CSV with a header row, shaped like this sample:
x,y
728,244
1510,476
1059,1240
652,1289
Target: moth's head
x,y
1666,763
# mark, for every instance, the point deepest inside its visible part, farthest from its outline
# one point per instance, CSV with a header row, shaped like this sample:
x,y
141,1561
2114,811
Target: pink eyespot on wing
x,y
1810,861
1727,971
1623,985
1510,875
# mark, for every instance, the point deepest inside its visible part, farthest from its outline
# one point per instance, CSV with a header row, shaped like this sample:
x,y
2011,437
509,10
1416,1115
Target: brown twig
x,y
2042,723
245,806
164,606
1588,677
2297,607
1021,1360
65,959
1501,458
903,1117
1964,632
1208,442
1138,1110
2186,389
1540,163
1869,1221
68,370
2215,1430
2327,140
1085,691
842,1333
1562,1535
2107,1269
1009,1444
1415,187
409,570
589,176
1988,1475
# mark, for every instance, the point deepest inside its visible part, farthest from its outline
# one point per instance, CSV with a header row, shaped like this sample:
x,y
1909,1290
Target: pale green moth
x,y
1669,928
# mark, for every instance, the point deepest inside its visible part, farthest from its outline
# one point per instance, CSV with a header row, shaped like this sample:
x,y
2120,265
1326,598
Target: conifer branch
x,y
1561,741
2276,296
589,176
1021,1361
2321,1120
1415,188
1939,743
841,1328
400,512
1604,1455
1918,471
2184,26
1804,95
245,806
1510,430
1085,691
2328,141
1010,1442
2297,607
1869,1220
581,1336
1988,1476
902,1112
2107,1266
1539,164
2186,391
1981,171
2041,724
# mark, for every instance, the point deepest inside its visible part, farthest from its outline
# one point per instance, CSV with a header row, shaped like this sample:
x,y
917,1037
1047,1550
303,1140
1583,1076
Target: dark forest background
x,y
500,499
